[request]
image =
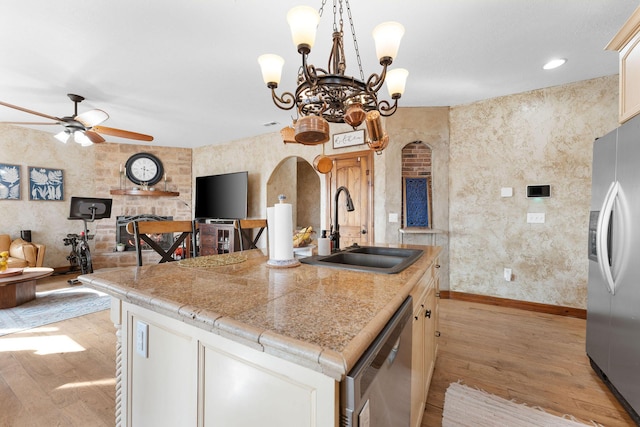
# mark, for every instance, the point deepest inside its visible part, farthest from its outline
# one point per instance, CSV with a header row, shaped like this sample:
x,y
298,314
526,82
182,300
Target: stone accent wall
x,y
416,160
177,165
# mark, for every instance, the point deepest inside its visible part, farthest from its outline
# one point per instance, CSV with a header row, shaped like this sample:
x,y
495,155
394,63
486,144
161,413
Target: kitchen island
x,y
243,343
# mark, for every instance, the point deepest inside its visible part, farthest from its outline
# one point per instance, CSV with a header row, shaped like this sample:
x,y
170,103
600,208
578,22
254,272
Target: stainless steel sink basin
x,y
373,259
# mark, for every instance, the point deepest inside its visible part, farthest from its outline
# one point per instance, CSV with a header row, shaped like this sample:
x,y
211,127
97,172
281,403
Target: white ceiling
x,y
186,71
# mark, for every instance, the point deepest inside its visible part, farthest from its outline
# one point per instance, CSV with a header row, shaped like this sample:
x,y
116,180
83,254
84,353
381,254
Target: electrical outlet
x,y
535,218
142,339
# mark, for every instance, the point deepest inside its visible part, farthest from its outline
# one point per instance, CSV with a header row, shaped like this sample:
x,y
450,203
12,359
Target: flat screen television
x,y
222,196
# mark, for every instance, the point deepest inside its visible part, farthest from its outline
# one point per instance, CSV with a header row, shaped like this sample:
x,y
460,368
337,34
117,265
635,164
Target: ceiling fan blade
x,y
92,117
29,123
94,137
122,133
46,116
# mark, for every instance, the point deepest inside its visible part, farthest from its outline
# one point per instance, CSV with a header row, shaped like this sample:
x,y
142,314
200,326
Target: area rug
x,y
466,406
53,306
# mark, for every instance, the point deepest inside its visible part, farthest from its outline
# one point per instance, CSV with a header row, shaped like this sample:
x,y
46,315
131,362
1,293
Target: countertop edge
x,y
329,362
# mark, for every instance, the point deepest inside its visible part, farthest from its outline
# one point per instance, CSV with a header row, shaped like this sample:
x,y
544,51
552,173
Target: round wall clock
x,y
144,168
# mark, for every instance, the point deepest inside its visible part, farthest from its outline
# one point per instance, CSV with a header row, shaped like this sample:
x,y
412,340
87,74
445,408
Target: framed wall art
x,y
348,139
417,204
46,184
9,182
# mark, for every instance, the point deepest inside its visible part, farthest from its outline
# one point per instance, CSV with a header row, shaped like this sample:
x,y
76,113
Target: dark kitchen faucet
x,y
335,229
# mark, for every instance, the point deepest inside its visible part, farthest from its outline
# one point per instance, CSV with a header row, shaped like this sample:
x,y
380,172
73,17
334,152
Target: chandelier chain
x,y
322,8
355,41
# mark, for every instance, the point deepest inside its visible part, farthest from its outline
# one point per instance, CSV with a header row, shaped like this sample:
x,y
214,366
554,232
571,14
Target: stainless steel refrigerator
x,y
613,307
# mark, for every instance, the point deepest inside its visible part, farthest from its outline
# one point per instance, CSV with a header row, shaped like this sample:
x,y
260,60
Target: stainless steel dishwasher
x,y
377,391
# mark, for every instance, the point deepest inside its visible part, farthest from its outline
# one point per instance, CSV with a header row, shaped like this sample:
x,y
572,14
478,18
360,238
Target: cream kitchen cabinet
x,y
245,344
424,339
627,43
180,375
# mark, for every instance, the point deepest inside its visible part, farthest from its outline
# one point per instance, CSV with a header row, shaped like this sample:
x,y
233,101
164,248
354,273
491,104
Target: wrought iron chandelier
x,y
330,94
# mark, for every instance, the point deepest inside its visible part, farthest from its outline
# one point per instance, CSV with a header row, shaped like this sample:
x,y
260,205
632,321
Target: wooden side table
x,y
16,290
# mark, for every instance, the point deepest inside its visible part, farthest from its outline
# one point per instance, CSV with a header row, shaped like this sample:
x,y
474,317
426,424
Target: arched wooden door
x,y
355,172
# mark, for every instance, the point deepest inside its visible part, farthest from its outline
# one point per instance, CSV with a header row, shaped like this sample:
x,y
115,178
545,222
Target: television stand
x,y
219,221
220,237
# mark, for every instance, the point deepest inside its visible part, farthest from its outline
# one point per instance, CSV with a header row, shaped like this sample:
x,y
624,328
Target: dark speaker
x,y
26,235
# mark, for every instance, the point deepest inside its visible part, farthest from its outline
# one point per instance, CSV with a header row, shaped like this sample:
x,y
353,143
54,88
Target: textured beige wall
x,y
539,137
47,220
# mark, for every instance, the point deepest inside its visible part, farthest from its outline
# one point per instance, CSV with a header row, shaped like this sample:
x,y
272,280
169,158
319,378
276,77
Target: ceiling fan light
x,y
387,37
81,138
303,22
271,66
62,136
92,117
396,82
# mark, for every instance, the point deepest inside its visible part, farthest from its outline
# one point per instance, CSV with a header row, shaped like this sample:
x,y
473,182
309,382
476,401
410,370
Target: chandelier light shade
x,y
329,93
303,22
396,81
387,37
271,66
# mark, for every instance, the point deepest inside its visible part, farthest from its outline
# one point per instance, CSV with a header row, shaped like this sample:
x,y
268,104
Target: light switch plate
x,y
506,192
393,217
142,339
535,218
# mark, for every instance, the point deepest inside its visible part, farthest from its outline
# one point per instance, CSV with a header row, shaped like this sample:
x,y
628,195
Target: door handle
x,y
602,235
364,231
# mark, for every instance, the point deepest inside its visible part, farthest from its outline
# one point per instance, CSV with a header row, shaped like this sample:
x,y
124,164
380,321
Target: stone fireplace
x,y
122,236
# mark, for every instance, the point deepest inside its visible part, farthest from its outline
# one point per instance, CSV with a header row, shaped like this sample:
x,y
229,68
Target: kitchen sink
x,y
374,259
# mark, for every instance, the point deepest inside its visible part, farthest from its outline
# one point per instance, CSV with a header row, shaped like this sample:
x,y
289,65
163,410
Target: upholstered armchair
x,y
21,252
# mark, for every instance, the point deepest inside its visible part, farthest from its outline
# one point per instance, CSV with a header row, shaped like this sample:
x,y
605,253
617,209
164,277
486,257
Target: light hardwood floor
x,y
533,358
62,374
537,359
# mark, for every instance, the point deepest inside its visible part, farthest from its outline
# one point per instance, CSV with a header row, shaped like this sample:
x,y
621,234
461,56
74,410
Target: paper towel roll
x,y
271,228
283,236
324,246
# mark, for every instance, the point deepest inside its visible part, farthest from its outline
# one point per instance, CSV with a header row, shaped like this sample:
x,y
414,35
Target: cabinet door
x,y
418,397
217,239
430,316
163,382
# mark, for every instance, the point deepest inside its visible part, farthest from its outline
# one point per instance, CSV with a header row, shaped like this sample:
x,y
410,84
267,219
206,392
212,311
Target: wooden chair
x,y
141,230
244,226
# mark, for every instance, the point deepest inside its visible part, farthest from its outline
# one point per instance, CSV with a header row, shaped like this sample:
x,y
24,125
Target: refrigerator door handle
x,y
602,236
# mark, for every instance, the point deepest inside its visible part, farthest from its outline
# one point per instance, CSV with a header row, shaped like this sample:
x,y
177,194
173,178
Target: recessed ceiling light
x,y
554,63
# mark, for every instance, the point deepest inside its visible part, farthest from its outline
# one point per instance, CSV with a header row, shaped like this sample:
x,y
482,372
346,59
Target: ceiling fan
x,y
82,127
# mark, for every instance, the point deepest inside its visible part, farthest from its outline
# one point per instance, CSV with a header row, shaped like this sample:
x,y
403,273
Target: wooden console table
x,y
16,290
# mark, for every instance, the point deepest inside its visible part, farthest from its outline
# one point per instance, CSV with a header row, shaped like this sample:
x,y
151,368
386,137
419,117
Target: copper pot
x,y
354,115
312,130
322,164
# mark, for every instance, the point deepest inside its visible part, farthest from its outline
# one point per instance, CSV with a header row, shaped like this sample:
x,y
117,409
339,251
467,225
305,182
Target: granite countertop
x,y
318,317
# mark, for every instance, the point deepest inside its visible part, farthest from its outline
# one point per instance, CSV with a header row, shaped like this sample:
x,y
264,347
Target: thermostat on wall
x,y
538,191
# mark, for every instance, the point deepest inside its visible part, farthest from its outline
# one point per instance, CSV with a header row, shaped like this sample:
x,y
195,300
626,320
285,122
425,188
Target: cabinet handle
x,y
437,265
428,314
415,317
437,334
437,294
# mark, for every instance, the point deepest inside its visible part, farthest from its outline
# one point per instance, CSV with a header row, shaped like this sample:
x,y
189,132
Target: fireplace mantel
x,y
149,193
